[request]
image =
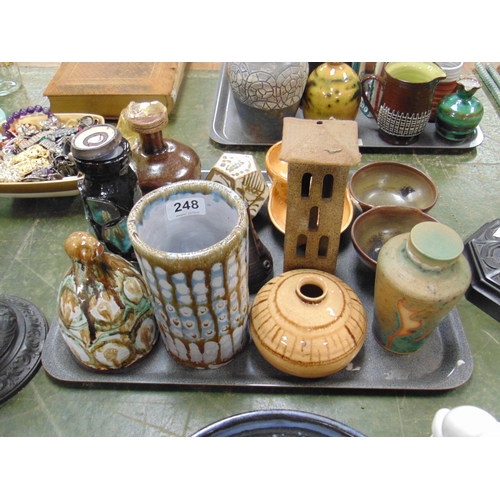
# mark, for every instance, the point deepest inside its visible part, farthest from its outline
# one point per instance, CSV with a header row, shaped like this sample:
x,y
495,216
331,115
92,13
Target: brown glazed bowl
x,y
373,228
394,184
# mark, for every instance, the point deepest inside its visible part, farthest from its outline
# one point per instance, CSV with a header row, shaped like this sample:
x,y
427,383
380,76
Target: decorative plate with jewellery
x,y
34,154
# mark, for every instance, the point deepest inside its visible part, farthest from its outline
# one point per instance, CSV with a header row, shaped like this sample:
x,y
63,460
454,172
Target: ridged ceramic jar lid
x,y
308,323
435,243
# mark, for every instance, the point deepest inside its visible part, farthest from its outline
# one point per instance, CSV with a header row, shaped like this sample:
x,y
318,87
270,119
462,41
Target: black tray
x,y
445,361
227,129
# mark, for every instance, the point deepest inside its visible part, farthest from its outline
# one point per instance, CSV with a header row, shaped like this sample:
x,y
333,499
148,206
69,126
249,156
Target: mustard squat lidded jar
x,y
420,277
308,323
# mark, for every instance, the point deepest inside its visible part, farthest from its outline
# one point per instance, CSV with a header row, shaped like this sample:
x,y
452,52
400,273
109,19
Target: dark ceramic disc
x,y
277,423
23,329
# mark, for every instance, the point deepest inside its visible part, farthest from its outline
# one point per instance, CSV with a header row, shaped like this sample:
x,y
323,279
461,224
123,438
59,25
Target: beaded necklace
x,y
23,112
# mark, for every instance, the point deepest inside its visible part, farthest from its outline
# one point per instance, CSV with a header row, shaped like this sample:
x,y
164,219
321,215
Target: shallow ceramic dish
x,y
373,228
392,183
277,423
278,172
57,188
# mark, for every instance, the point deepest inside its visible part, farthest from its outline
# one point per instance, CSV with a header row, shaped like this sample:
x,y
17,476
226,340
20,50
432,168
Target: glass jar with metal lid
x,y
109,187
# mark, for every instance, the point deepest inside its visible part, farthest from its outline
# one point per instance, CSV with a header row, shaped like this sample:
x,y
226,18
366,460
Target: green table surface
x,y
33,261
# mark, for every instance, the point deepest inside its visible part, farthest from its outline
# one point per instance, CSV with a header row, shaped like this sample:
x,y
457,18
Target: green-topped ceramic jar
x,y
420,277
459,114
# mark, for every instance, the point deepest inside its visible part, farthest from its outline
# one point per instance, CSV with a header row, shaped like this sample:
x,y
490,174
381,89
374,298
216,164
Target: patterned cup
x,y
191,242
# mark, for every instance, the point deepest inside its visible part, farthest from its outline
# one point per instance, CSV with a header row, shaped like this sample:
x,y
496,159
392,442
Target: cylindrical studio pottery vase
x,y
420,277
458,114
264,94
104,311
191,241
333,90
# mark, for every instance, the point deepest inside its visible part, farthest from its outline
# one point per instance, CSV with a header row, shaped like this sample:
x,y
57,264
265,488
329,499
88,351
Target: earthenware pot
x,y
333,90
308,323
459,114
159,160
406,103
420,277
265,93
191,241
104,312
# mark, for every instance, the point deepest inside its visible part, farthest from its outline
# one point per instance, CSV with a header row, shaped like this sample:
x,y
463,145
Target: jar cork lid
x,y
146,117
435,243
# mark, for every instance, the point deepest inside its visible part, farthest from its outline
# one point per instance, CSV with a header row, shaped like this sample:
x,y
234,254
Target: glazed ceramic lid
x,y
308,323
435,244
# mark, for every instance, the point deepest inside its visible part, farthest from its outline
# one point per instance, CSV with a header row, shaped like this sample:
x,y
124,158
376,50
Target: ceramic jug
x,y
406,104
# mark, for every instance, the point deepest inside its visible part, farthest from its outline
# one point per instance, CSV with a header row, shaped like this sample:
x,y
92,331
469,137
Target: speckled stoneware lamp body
x,y
191,240
308,323
420,277
104,311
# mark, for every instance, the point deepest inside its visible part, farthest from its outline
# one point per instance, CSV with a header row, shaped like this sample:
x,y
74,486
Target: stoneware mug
x,y
406,103
191,242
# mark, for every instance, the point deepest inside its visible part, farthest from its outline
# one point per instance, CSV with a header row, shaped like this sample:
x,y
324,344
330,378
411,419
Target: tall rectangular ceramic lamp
x,y
320,154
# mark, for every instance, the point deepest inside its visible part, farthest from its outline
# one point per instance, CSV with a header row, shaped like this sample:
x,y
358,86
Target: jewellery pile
x,y
39,152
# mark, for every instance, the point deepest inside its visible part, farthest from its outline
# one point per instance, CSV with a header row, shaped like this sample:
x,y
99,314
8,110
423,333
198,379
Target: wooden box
x,y
107,88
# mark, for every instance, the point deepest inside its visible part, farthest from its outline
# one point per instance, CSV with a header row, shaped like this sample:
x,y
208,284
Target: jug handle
x,y
365,95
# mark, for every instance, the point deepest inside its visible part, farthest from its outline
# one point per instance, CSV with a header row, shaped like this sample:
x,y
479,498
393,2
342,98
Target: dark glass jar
x,y
109,188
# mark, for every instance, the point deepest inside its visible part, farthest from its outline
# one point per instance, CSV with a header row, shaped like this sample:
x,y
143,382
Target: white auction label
x,y
184,207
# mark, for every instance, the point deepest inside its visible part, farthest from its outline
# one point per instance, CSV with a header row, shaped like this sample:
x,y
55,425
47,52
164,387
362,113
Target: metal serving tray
x,y
445,361
226,128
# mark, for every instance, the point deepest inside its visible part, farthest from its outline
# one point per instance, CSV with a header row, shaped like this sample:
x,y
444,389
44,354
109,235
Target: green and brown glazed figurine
x,y
420,277
333,90
459,114
104,311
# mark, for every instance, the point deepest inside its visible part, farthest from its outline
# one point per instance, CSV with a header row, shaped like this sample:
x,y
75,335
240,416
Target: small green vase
x,y
458,114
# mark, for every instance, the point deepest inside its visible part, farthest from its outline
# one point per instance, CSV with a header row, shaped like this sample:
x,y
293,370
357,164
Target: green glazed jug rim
x,y
406,71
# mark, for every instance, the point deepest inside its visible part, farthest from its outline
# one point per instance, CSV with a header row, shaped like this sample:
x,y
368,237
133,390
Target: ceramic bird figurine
x,y
104,311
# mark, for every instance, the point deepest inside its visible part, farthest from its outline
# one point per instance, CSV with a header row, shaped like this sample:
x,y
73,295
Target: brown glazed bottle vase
x,y
159,161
